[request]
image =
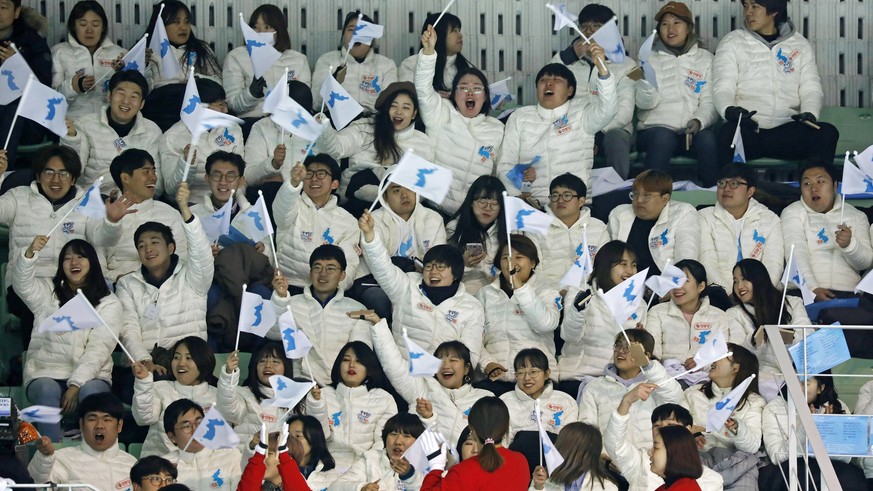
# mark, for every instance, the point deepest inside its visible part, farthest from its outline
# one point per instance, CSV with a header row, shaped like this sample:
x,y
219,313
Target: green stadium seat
x,y
135,449
855,126
244,359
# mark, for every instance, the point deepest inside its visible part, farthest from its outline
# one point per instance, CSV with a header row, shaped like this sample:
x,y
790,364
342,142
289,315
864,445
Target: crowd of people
x,y
521,349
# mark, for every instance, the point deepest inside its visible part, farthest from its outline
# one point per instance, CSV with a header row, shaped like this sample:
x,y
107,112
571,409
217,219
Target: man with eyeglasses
x,y
738,227
152,473
176,142
654,226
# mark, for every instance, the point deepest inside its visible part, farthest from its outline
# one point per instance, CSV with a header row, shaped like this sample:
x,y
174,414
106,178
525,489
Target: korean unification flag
x,y
14,74
719,414
91,205
260,48
206,119
342,106
277,92
866,283
500,92
286,392
217,224
365,32
422,177
256,314
135,58
863,159
44,106
737,144
854,180
624,299
672,277
714,348
792,274
582,266
190,104
41,414
645,54
421,363
551,455
562,17
523,217
295,119
160,46
215,432
76,315
295,341
610,40
255,222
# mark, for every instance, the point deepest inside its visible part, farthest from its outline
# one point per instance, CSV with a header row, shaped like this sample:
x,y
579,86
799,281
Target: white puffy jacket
x,y
241,408
109,469
28,213
633,461
748,418
352,417
562,245
409,68
208,469
459,318
775,421
603,395
778,79
321,480
238,74
265,136
557,410
301,227
675,236
154,70
364,81
587,87
374,466
559,140
684,90
123,258
150,400
162,316
822,262
467,146
70,59
675,338
97,144
172,153
587,484
760,237
484,272
77,356
450,406
527,320
589,334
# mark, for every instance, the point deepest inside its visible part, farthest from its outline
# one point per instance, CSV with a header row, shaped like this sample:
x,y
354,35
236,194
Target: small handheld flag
x,y
14,74
217,224
278,92
737,144
44,106
645,54
365,32
135,58
715,348
254,223
500,92
623,299
553,458
260,48
295,119
854,180
215,432
421,363
523,217
792,274
91,204
256,315
609,38
719,414
866,284
671,277
295,341
422,177
342,106
76,315
287,393
582,266
41,414
562,17
160,46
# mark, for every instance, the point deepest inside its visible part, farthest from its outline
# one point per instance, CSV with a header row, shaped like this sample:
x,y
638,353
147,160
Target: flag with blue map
x,y
43,105
563,18
342,106
215,432
365,33
737,144
863,159
854,180
295,341
217,223
296,119
422,177
191,105
722,410
14,74
551,456
714,348
421,363
260,48
286,392
254,222
135,58
91,205
671,277
792,274
41,414
500,92
582,267
522,217
76,315
277,92
624,299
256,314
645,54
160,46
610,40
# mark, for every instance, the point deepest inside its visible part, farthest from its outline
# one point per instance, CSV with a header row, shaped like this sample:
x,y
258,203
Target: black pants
x,y
851,477
791,141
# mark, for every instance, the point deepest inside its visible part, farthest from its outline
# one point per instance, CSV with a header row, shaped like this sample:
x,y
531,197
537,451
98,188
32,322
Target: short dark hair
x,y
176,409
314,435
151,465
229,157
533,357
160,228
127,162
68,157
521,244
209,90
593,12
654,180
366,357
176,487
569,181
558,70
828,167
406,423
132,76
301,93
486,103
326,252
448,255
274,18
683,461
779,7
79,10
641,336
104,402
740,171
674,412
327,160
201,355
748,363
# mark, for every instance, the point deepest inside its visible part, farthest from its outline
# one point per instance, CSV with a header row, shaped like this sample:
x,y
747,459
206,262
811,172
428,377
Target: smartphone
x,y
638,353
526,186
635,74
475,249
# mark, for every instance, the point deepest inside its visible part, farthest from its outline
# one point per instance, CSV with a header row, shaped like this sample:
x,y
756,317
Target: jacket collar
x,y
104,455
553,114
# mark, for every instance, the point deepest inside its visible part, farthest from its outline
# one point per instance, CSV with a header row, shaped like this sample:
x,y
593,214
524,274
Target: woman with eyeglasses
x,y
466,139
676,109
477,228
521,311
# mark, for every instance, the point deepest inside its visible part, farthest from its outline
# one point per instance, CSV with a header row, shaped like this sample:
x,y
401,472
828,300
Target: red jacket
x,y
684,484
513,475
253,474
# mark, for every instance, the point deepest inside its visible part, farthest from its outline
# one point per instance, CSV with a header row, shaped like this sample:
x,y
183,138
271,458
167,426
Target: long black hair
x,y
486,103
766,299
95,287
384,134
608,256
718,298
468,229
314,434
748,363
273,349
205,60
448,23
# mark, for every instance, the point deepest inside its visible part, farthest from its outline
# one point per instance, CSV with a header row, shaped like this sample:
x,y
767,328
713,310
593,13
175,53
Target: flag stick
x,y
785,287
686,372
588,40
539,427
185,448
451,2
113,72
652,298
272,235
509,246
103,323
324,102
189,158
382,186
97,182
811,124
843,208
30,79
236,344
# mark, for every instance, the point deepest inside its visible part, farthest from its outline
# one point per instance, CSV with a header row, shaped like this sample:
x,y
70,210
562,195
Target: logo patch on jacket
x,y
704,329
370,85
123,484
119,145
217,481
786,61
660,240
452,316
364,417
306,236
822,236
225,138
67,228
335,419
562,125
267,418
486,152
425,307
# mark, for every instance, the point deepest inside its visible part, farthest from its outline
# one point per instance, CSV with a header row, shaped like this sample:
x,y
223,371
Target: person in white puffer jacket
x,y
865,406
450,60
557,134
191,369
432,305
64,367
353,409
446,398
522,310
655,226
830,237
184,46
309,219
82,65
580,444
739,227
245,93
466,139
165,300
360,70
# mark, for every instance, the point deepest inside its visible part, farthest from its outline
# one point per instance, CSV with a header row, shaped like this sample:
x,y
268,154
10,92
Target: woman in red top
x,y
279,471
495,467
674,457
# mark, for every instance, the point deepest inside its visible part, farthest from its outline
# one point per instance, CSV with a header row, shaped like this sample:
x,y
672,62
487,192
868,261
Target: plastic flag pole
x,y
509,246
540,425
236,344
686,372
113,72
381,188
99,180
114,336
349,46
272,235
190,158
652,298
30,80
443,13
324,102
